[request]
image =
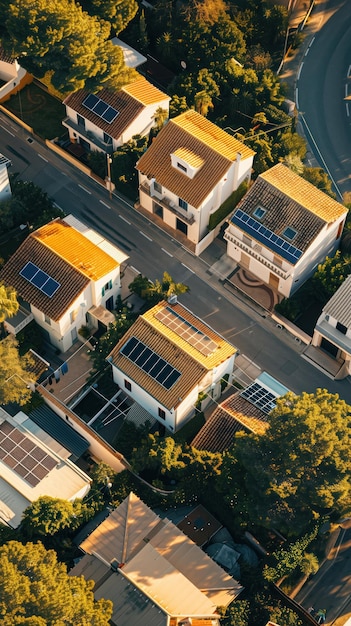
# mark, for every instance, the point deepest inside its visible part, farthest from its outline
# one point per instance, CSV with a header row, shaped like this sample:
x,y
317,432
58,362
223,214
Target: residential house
x,y
33,464
187,173
153,573
245,410
283,228
5,187
167,358
108,119
13,77
332,332
66,276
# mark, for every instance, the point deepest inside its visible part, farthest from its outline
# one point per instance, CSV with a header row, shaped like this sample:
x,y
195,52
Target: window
x,y
259,212
158,210
107,139
106,287
247,240
127,385
157,187
183,205
161,413
80,120
47,320
289,233
182,167
182,227
341,328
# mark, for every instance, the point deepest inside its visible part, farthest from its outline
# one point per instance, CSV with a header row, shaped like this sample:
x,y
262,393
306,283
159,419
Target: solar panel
x,y
100,108
260,396
39,279
150,362
267,237
178,324
23,456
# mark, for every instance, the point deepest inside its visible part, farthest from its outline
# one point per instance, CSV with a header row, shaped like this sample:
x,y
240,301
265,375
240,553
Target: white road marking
x,y
166,252
104,203
58,206
297,97
146,236
349,72
124,219
311,42
134,269
307,51
7,130
188,268
347,109
41,156
346,92
86,190
299,72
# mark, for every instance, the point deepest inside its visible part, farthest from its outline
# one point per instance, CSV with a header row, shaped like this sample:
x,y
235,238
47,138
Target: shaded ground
x,y
38,109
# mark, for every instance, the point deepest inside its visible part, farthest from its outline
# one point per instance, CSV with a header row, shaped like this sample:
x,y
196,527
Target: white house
x,y
67,276
5,187
190,169
283,228
167,358
152,572
108,119
332,332
12,75
33,464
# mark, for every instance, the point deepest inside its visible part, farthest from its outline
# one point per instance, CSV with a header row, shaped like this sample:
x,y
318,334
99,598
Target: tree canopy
x,y
8,302
47,516
296,472
14,374
35,590
118,12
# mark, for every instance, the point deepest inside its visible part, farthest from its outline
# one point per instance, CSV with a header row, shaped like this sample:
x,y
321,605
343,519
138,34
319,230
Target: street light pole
x,y
109,161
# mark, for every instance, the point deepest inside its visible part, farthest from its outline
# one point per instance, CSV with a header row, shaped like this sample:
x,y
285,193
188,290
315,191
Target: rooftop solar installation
x,y
266,236
23,456
170,318
100,108
260,396
39,279
150,362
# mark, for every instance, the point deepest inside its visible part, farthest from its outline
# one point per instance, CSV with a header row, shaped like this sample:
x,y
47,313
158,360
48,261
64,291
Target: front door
x,y
274,281
245,260
74,334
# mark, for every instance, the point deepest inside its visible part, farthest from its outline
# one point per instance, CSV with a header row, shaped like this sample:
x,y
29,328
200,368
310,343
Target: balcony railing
x,y
259,257
168,204
88,135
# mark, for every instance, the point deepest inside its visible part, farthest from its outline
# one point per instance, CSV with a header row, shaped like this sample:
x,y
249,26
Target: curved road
x,y
323,82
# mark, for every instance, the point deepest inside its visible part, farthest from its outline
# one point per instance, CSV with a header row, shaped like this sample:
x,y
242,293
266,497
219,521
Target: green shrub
x,y
227,207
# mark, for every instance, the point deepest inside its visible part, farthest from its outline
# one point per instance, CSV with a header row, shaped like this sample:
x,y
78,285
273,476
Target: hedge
x,y
228,205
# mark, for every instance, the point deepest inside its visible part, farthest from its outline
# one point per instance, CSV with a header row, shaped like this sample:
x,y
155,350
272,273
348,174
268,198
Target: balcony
x,y
88,136
168,204
251,252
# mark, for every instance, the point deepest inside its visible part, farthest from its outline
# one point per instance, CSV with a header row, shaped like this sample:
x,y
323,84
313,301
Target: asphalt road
x,y
323,82
151,251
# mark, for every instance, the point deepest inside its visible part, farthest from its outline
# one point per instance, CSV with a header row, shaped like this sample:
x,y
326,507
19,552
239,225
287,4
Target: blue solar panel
x,y
109,115
150,362
260,396
39,279
266,236
90,101
100,108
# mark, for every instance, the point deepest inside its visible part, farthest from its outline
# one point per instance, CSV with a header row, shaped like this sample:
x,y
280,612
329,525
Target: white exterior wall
x,y
5,189
325,244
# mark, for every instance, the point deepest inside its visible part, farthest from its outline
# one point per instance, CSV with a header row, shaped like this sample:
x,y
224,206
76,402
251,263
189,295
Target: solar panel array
x,y
260,397
187,331
266,236
23,456
150,362
39,279
100,108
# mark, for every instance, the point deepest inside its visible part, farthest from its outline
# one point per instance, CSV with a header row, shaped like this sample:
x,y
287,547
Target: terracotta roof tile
x,y
72,282
191,371
290,204
127,107
222,349
212,145
76,249
303,193
190,157
145,92
233,415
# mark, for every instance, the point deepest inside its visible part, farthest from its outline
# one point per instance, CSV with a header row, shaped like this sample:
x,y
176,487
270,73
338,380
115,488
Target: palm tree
x,y
8,302
203,102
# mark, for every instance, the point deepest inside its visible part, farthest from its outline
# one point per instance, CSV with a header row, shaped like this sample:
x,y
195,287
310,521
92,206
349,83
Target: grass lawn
x,y
39,110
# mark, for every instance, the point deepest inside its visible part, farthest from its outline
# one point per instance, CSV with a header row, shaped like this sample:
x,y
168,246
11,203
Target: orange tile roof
x,y
69,244
304,193
190,157
72,282
223,349
145,92
192,132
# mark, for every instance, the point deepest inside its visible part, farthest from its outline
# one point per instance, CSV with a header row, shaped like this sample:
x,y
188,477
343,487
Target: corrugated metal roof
x,y
339,305
54,425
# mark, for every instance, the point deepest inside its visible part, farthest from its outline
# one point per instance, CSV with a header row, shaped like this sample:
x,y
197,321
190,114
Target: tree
x,y
237,614
329,276
14,374
157,291
48,516
59,37
118,12
107,342
319,178
8,302
298,470
203,102
309,564
36,590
